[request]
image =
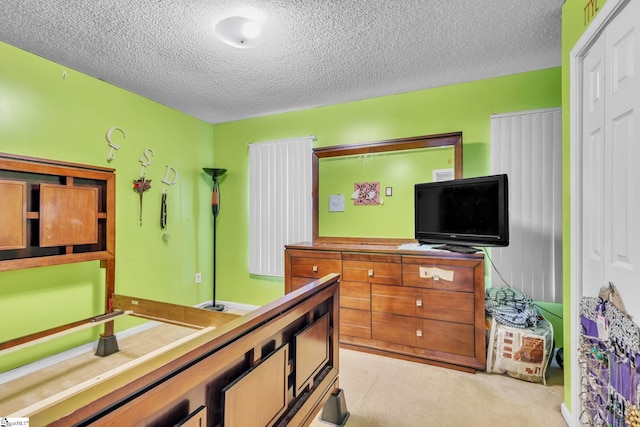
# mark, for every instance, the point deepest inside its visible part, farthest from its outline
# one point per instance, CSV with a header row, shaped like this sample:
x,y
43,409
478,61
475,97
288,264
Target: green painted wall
x,y
393,217
574,24
45,115
464,107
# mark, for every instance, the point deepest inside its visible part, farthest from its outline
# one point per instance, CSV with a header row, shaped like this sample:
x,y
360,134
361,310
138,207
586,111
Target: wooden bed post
x,y
108,343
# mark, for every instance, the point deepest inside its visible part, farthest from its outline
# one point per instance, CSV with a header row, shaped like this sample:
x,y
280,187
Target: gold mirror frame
x,y
453,139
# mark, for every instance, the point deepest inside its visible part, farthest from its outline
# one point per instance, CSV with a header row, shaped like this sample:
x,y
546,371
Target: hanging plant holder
x,y
141,185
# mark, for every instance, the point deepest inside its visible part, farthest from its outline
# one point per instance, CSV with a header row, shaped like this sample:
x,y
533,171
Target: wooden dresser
x,y
422,306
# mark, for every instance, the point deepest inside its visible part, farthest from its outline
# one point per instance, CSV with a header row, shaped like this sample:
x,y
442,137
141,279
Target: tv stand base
x,y
458,248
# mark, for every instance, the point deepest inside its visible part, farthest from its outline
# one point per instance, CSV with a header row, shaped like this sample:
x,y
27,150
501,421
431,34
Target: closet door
x,y
593,166
622,133
611,159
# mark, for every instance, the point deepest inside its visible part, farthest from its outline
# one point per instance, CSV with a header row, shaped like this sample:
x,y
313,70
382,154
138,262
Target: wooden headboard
x,y
57,213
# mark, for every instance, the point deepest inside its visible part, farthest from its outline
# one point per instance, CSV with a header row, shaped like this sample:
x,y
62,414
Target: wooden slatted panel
x,y
311,352
68,215
246,404
13,209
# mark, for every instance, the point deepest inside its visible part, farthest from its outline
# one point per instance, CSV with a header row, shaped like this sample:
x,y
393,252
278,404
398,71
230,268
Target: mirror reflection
x,y
363,193
388,215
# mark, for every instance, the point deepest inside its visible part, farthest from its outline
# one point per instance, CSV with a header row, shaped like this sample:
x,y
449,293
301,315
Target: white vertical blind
x,y
280,204
528,147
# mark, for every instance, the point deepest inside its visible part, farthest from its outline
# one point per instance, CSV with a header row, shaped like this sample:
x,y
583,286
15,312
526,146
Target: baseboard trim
x,y
231,305
566,414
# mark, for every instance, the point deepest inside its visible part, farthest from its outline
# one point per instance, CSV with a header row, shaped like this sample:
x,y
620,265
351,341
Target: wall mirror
x,y
396,164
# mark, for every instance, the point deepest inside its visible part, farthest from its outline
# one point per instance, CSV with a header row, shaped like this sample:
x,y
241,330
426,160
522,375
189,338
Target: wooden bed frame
x,y
58,213
275,366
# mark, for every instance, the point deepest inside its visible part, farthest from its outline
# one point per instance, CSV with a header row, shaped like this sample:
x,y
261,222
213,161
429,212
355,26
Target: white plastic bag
x,y
520,353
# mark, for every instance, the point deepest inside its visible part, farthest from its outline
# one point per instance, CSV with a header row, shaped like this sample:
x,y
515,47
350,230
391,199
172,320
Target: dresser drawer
x,y
395,299
447,305
314,268
427,273
355,323
456,338
395,329
372,268
355,295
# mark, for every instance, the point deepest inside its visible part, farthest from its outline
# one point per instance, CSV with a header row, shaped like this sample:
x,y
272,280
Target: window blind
x,y
528,147
280,204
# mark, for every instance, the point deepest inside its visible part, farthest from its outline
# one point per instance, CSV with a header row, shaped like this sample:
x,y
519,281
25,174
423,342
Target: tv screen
x,y
466,212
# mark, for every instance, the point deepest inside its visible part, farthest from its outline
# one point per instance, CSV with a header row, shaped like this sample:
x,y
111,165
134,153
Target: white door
x,y
605,168
611,160
622,130
593,169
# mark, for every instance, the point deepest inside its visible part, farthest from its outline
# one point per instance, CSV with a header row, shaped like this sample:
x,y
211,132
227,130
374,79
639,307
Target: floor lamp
x,y
215,209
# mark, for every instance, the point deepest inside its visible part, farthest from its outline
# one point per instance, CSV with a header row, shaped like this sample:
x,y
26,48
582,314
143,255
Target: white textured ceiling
x,y
315,52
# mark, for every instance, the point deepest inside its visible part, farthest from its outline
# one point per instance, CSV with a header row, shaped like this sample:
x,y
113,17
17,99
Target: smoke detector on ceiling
x,y
240,32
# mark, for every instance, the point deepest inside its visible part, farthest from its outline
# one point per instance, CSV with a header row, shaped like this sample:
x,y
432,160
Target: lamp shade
x,y
215,194
214,172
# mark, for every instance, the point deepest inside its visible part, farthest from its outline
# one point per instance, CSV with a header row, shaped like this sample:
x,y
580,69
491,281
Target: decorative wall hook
x,y
167,172
113,146
145,159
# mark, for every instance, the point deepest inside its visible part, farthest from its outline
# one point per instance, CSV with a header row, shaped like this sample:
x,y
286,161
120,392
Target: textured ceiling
x,y
314,53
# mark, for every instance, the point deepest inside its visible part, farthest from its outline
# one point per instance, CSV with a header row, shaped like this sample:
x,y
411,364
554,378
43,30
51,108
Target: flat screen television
x,y
463,213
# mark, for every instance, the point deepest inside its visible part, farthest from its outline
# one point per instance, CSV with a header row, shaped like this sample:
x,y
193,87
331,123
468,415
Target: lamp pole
x,y
215,209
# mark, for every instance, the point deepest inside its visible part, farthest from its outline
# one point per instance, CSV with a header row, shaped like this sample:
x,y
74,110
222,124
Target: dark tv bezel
x,y
466,239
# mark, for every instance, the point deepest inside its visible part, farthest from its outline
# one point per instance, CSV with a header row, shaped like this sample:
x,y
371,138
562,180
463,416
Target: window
x,y
528,147
280,204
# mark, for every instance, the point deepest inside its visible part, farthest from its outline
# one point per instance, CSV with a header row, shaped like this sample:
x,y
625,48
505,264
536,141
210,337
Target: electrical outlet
x,y
198,277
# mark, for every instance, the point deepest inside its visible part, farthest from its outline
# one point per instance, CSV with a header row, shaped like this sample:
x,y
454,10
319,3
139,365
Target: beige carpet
x,y
381,391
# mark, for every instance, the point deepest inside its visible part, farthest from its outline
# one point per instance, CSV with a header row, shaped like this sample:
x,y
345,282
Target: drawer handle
x,y
370,272
436,278
419,303
419,333
315,268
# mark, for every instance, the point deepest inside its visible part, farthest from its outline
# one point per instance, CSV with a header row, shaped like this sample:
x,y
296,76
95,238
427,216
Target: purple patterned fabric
x,y
620,375
589,327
